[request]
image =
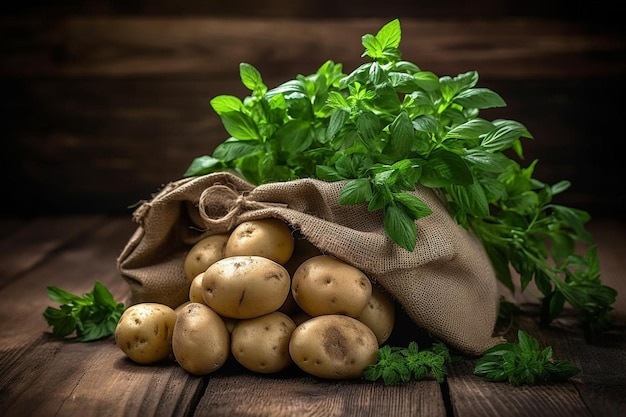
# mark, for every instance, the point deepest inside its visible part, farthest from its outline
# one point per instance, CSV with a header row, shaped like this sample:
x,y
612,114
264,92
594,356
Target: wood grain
x,y
124,46
92,145
101,110
244,394
474,397
106,101
96,379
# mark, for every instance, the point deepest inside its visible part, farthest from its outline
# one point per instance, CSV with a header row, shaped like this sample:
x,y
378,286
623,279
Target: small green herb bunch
x,y
92,316
395,365
389,126
523,363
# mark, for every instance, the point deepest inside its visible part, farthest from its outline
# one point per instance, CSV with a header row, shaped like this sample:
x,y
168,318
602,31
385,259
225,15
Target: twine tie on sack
x,y
221,204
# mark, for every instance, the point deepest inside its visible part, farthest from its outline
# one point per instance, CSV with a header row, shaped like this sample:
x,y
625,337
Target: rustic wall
x,y
104,101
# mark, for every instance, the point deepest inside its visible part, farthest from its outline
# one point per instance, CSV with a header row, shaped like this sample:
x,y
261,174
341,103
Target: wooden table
x,y
43,376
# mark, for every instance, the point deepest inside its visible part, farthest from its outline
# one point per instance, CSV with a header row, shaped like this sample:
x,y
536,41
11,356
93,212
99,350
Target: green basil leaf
x,y
251,78
226,103
355,192
239,125
337,120
400,226
295,136
417,207
389,35
231,149
401,134
479,98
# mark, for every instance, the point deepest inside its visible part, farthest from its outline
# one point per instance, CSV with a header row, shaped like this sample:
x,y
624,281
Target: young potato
x,y
270,238
200,341
333,346
144,332
204,253
261,344
244,287
379,314
326,285
196,289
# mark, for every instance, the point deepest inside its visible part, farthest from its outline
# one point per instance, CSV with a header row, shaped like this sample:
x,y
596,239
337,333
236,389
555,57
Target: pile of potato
x,y
269,300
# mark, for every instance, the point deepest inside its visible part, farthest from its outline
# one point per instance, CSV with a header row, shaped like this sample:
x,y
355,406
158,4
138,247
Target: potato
x,y
200,342
261,344
333,346
326,285
144,332
195,290
379,314
244,287
270,238
204,253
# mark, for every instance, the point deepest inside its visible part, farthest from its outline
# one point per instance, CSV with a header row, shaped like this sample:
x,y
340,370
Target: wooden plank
x,y
246,394
75,267
121,47
10,225
95,378
102,111
603,10
602,381
88,378
321,9
471,396
598,390
609,234
54,377
37,240
103,145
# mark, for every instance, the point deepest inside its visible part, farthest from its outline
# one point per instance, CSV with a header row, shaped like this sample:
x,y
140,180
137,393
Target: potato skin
x,y
244,287
261,344
195,289
270,238
144,332
326,285
379,314
333,347
200,342
204,254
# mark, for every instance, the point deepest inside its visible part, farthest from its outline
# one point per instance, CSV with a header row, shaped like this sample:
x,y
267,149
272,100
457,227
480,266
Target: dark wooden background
x,y
105,101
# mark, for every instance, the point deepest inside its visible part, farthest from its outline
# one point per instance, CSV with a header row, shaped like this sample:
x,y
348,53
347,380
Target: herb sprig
x,y
388,126
524,363
521,363
92,316
395,365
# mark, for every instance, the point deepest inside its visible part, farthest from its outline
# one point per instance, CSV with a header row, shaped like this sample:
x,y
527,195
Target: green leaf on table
x,y
92,316
524,363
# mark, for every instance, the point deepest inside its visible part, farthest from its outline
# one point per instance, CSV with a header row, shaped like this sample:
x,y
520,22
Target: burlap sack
x,y
447,285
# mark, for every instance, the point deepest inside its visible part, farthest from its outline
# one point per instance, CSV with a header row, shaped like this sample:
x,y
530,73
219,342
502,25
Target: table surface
x,y
44,376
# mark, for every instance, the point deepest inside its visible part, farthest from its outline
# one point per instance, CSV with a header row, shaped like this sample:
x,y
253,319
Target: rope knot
x,y
220,204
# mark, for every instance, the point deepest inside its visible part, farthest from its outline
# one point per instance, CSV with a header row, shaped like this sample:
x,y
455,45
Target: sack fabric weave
x,y
447,285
